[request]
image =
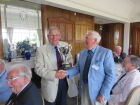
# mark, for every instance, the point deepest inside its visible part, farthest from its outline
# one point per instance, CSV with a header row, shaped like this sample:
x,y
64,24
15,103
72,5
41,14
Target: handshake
x,y
60,74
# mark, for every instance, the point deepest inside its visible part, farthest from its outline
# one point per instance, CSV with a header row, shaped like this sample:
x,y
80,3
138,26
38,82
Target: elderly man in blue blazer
x,y
97,71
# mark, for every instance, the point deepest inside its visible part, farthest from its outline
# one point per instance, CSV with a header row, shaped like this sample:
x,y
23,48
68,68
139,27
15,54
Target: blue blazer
x,y
101,76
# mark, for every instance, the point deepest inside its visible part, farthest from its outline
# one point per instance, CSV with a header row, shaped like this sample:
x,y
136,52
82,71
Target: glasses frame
x,y
14,78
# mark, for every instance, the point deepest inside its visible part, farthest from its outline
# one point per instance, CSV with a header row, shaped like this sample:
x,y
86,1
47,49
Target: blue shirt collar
x,y
94,49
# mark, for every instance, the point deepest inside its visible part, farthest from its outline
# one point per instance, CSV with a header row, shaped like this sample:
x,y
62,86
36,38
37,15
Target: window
x,y
18,25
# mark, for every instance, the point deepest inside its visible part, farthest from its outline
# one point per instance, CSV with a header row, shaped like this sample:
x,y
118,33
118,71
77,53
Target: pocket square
x,y
95,67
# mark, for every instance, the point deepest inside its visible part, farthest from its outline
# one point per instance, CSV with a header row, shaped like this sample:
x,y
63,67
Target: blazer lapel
x,y
50,55
24,90
95,56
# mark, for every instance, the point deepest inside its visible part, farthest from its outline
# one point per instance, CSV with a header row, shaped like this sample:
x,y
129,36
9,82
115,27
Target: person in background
x,y
5,90
48,61
24,91
118,54
127,81
97,71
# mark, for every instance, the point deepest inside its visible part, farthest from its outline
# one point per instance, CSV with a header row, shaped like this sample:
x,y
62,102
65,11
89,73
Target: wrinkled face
x,y
54,37
127,64
90,42
15,81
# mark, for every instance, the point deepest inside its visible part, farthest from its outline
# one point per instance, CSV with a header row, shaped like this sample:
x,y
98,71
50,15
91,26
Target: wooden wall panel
x,y
108,32
81,28
135,39
73,29
1,40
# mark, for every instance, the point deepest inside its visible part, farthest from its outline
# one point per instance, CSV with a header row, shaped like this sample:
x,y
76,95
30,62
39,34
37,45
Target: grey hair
x,y
23,70
95,35
2,62
53,28
135,60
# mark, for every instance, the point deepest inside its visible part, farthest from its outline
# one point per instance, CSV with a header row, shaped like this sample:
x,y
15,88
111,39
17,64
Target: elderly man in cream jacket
x,y
129,81
54,90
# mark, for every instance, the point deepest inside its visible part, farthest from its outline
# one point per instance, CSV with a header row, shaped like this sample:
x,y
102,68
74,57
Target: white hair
x,y
95,35
53,28
23,70
135,60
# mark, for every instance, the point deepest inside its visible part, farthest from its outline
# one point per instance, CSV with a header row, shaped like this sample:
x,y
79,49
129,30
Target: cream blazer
x,y
46,67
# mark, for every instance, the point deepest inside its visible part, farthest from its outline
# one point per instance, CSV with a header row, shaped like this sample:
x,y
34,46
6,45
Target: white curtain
x,y
10,34
6,48
39,32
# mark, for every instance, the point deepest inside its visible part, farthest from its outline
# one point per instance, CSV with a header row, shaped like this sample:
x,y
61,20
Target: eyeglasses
x,y
13,78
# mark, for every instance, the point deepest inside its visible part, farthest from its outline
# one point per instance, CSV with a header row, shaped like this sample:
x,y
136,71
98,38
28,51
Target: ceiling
x,y
105,11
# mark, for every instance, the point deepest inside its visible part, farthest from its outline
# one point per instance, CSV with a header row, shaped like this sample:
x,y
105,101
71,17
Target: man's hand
x,y
101,99
60,74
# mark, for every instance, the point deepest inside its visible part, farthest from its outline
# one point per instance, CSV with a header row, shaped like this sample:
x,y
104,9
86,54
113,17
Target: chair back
x,y
134,97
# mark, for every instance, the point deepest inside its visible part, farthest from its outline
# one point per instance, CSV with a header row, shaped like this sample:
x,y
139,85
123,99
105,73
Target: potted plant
x,y
24,48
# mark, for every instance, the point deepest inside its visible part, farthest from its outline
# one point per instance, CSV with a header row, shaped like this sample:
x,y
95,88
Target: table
x,y
30,63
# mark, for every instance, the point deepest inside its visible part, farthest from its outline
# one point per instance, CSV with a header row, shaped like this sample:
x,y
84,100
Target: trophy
x,y
65,51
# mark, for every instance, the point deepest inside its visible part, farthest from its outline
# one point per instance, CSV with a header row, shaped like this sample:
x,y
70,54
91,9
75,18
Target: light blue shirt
x,y
5,90
54,52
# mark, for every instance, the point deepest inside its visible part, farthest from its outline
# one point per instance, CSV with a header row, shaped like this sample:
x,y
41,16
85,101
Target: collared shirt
x,y
94,49
5,90
54,52
124,87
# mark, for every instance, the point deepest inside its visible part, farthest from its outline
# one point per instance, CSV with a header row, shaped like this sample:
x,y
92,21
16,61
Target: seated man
x,y
24,91
127,82
118,54
5,90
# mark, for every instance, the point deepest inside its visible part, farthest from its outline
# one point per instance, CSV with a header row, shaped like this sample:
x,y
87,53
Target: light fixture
x,y
116,37
100,27
23,15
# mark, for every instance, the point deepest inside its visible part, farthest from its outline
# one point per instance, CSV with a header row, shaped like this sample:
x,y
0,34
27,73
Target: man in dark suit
x,y
24,91
118,54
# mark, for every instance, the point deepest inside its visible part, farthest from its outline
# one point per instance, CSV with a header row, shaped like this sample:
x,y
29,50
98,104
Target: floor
x,y
73,101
